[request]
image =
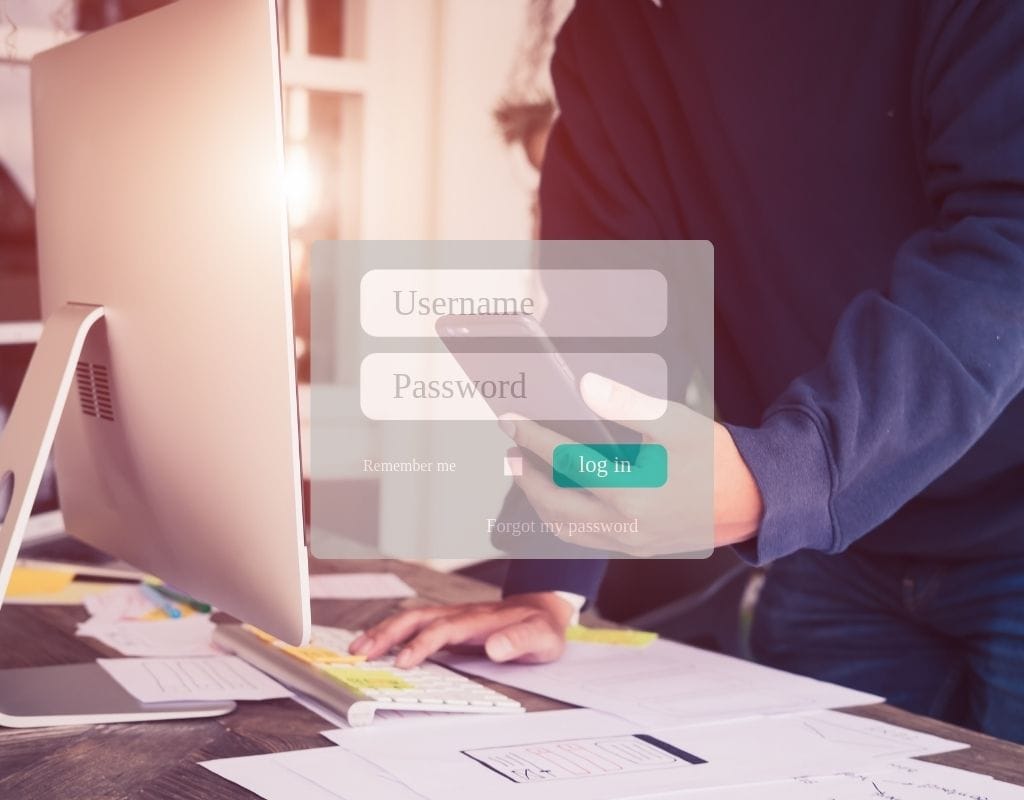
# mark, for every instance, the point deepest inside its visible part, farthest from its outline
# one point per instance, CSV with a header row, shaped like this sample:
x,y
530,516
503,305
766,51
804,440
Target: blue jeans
x,y
941,639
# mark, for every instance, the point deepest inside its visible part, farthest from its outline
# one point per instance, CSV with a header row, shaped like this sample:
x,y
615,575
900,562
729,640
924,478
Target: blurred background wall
x,y
391,133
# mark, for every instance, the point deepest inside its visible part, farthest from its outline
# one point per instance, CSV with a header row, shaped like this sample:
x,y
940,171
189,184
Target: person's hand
x,y
710,497
525,627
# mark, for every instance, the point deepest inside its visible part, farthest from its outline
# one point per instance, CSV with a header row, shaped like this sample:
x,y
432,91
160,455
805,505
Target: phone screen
x,y
472,340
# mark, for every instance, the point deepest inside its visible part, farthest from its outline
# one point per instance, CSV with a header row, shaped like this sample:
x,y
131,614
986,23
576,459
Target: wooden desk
x,y
159,759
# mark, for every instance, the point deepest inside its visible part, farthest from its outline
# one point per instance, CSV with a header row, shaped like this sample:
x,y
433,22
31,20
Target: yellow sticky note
x,y
320,655
367,678
627,638
27,581
73,594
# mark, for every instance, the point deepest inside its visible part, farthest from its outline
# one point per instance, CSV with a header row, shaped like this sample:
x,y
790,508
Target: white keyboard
x,y
356,687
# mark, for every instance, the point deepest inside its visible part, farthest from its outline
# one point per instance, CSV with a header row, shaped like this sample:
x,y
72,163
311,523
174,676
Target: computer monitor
x,y
166,291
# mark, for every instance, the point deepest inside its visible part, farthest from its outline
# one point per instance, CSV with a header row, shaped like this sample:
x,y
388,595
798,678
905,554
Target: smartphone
x,y
469,338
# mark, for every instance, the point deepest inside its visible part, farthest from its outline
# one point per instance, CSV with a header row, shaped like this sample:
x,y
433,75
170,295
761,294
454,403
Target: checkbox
x,y
513,466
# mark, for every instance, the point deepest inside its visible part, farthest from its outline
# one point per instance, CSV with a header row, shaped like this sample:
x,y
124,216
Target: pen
x,y
160,601
179,597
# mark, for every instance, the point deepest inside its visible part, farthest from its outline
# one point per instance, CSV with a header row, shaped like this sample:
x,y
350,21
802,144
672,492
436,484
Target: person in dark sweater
x,y
859,169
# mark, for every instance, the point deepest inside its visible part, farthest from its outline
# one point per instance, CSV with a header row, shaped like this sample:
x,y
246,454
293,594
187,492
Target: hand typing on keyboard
x,y
361,686
525,627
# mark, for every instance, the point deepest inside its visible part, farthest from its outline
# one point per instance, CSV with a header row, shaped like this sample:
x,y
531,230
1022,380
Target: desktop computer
x,y
164,377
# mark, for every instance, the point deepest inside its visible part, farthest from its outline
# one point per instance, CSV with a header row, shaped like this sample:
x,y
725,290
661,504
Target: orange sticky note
x,y
261,634
320,655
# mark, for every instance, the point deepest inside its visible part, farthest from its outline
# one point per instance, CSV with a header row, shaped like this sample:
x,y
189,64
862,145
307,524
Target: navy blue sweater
x,y
859,168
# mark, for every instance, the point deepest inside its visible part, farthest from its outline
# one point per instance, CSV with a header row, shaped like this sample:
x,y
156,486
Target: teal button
x,y
609,466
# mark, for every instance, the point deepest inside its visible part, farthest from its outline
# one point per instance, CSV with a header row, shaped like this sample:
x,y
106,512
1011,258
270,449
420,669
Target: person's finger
x,y
534,640
532,436
379,639
457,629
623,404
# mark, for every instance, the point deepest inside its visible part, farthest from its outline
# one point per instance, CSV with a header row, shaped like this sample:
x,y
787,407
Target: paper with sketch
x,y
326,773
189,636
337,772
696,757
903,780
567,759
664,683
122,603
163,680
359,586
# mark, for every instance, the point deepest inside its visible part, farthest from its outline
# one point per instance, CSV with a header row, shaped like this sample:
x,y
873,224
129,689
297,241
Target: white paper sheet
x,y
162,680
188,636
346,775
664,684
121,603
359,586
905,780
748,751
327,773
322,773
339,773
268,777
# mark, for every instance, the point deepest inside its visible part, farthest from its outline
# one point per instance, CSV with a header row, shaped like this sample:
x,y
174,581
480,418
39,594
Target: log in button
x,y
609,466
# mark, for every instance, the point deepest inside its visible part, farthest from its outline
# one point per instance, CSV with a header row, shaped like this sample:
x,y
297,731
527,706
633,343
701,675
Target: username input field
x,y
604,302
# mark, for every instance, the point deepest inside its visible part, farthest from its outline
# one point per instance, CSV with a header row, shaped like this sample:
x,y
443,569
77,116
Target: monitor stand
x,y
67,694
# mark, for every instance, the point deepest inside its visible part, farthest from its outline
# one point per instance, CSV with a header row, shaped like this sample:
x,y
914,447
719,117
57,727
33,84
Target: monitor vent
x,y
94,390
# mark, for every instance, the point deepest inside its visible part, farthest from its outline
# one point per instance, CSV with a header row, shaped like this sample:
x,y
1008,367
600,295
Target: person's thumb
x,y
620,403
534,640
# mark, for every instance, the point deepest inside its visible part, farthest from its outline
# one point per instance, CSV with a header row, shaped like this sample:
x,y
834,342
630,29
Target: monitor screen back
x,y
160,181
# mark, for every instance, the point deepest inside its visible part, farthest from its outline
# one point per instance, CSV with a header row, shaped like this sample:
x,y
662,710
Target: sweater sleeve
x,y
916,374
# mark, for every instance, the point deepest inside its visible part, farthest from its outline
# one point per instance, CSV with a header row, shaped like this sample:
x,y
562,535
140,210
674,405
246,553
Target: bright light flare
x,y
300,185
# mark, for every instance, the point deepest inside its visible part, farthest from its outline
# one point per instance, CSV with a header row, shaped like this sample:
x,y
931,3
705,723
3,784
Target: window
x,y
324,74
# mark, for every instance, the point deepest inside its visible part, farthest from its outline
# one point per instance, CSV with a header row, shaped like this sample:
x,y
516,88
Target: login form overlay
x,y
481,399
